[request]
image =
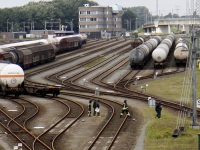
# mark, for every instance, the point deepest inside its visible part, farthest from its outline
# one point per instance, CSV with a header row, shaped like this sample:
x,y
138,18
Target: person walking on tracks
x,y
89,108
97,109
158,110
94,107
125,109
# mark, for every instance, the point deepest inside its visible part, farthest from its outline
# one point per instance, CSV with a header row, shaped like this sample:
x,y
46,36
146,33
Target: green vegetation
x,y
159,131
140,30
170,87
38,12
174,29
94,62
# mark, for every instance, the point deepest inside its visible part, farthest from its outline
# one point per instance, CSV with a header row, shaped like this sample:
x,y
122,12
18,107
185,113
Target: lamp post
x,y
130,23
7,25
71,24
135,23
12,26
51,24
127,24
24,25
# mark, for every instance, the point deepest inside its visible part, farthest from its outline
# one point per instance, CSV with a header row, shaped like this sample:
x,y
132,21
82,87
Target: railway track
x,y
112,129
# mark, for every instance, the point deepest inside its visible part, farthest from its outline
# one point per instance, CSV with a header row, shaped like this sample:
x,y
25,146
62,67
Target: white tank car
x,y
42,41
139,55
161,52
11,75
181,51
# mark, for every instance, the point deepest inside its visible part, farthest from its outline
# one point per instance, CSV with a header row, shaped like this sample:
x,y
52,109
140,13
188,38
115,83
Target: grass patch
x,y
170,87
159,133
94,62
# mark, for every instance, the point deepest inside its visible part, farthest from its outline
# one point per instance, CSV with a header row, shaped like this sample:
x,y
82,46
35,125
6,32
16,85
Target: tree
x,y
38,12
127,17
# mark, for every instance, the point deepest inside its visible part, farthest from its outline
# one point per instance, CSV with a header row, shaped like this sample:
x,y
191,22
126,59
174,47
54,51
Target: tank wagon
x,y
181,51
140,55
11,79
138,41
160,54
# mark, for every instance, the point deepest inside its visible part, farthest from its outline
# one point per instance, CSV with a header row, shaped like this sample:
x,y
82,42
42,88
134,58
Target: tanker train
x,y
11,79
160,54
15,57
181,51
140,55
12,82
138,41
32,53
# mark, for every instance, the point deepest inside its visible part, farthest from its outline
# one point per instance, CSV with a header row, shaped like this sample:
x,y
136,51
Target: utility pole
x,y
157,7
187,8
12,26
194,50
7,25
24,26
177,9
198,7
72,26
127,24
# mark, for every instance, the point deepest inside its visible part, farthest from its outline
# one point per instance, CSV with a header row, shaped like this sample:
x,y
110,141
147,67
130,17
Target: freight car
x,y
138,41
181,51
28,56
68,43
160,54
11,79
41,90
32,53
140,55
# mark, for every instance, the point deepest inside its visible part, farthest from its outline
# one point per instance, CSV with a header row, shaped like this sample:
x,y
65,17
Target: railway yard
x,y
100,71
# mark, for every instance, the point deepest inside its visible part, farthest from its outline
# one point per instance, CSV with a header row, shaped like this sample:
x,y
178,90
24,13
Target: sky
x,y
164,6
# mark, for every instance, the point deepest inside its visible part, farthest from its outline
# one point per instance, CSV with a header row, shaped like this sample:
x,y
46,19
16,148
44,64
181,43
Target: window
x,y
82,26
92,12
88,12
91,19
92,26
82,12
82,19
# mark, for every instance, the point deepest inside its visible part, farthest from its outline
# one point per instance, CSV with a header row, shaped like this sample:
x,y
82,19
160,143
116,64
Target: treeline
x,y
34,14
39,12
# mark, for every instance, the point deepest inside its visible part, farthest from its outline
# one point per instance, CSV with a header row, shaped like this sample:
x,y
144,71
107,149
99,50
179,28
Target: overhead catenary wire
x,y
185,95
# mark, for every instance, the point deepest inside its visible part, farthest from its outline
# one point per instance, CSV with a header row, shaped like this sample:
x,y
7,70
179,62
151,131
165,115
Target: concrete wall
x,y
162,29
12,35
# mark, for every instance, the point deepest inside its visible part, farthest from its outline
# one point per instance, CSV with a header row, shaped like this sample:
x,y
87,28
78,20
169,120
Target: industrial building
x,y
99,21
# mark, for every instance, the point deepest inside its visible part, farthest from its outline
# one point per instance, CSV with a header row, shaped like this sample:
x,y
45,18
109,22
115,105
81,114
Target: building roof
x,y
60,31
117,7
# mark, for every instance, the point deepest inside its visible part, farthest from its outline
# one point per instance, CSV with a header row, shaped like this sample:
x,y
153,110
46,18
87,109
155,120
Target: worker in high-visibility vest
x,y
198,61
199,66
125,109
